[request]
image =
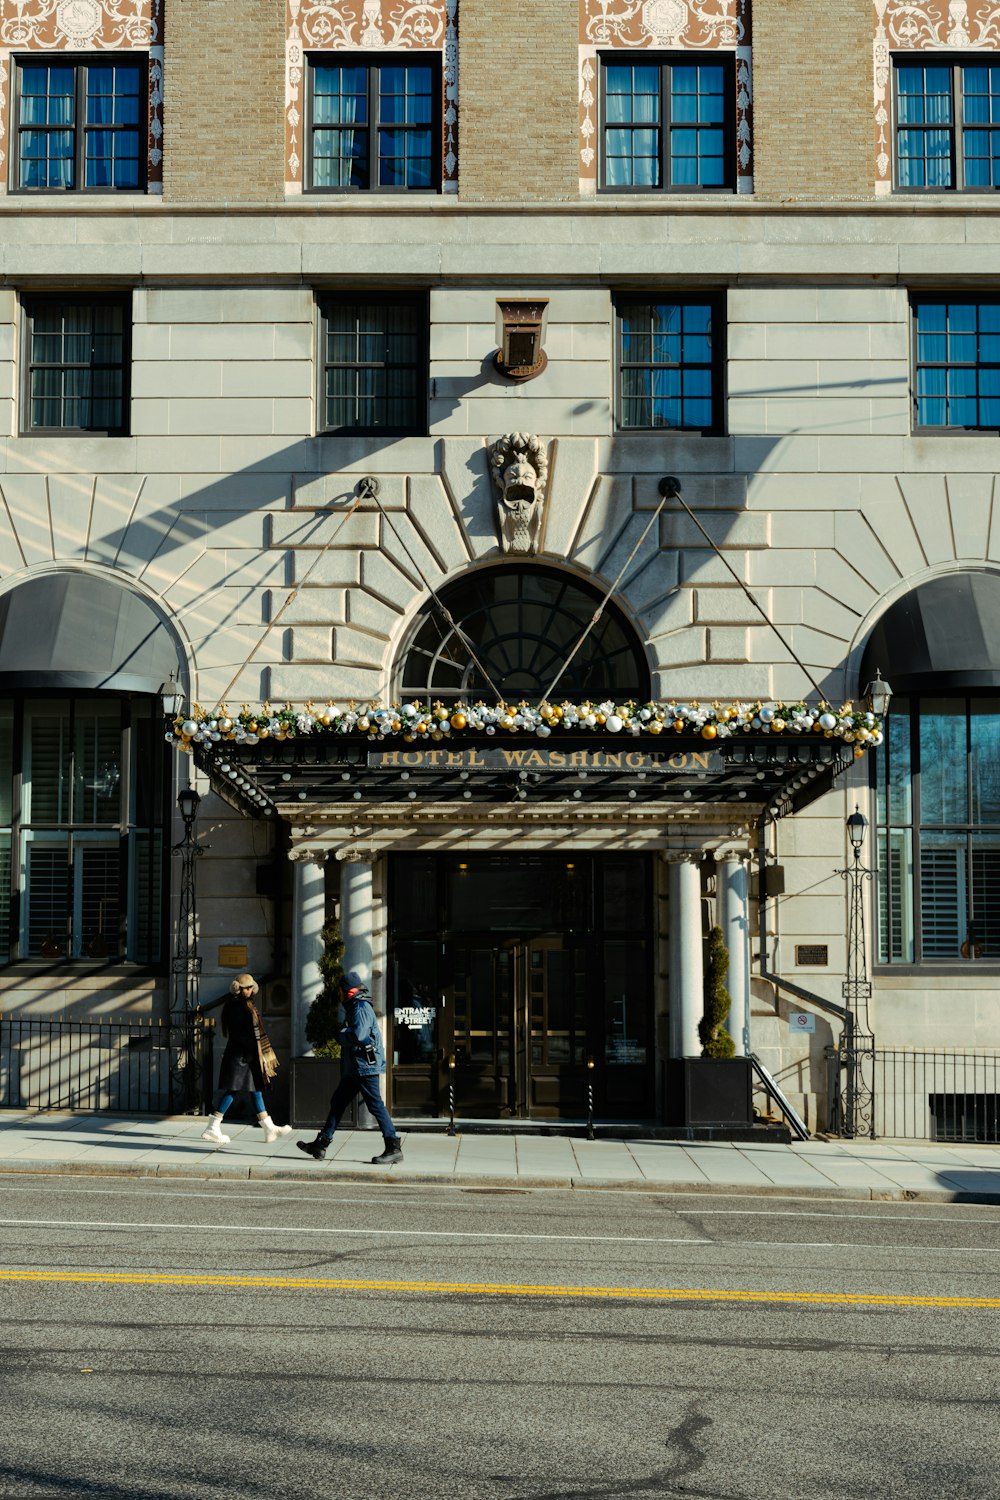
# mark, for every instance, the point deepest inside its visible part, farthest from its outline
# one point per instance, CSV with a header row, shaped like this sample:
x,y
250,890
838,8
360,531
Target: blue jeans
x,y
227,1099
370,1092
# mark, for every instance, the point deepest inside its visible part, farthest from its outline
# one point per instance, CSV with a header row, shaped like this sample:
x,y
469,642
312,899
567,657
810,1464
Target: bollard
x,y
451,1094
590,1100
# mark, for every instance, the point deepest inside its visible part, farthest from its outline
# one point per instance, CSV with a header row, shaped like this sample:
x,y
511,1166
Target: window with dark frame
x,y
937,778
77,353
84,782
670,364
956,363
80,124
667,124
374,367
374,126
947,124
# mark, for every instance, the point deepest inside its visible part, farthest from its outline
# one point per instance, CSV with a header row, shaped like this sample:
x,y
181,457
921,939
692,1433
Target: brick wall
x,y
224,95
518,66
813,87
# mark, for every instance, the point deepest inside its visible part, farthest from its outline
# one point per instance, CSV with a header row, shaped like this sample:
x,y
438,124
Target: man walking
x,y
362,1061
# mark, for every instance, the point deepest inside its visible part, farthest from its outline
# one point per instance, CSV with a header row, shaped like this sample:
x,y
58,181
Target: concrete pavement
x,y
152,1146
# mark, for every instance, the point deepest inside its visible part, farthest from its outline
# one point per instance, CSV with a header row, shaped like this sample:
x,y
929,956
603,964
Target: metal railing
x,y
933,1094
133,1065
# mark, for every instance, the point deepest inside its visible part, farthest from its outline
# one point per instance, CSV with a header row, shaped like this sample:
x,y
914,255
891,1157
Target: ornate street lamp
x,y
857,1044
172,697
879,694
184,1051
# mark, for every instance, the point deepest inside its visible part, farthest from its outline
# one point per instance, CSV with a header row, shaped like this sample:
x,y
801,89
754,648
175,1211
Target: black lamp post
x,y
185,1054
857,1044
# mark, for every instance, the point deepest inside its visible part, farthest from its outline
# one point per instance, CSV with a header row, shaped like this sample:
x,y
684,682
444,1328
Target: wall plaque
x,y
815,954
232,956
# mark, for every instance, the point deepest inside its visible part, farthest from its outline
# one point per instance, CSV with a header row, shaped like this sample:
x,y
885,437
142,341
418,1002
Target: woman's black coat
x,y
240,1067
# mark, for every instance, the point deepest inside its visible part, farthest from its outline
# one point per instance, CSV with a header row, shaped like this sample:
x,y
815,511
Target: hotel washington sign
x,y
502,758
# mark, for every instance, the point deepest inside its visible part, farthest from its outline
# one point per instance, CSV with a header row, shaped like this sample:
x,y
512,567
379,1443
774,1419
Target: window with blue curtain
x,y
957,362
374,127
374,369
938,802
81,125
947,124
667,124
670,364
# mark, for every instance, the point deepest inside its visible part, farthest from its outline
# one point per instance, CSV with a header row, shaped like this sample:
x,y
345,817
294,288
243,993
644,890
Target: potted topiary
x,y
315,1076
715,1089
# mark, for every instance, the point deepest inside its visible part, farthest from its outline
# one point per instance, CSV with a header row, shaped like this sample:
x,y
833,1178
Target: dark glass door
x,y
510,975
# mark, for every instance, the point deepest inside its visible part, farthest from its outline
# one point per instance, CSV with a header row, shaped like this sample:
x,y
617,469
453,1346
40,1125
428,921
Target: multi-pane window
x,y
374,367
82,813
374,126
81,125
938,793
947,124
957,362
667,123
76,364
669,364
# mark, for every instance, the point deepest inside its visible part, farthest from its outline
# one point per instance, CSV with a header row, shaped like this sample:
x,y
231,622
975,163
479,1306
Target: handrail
x,y
773,1091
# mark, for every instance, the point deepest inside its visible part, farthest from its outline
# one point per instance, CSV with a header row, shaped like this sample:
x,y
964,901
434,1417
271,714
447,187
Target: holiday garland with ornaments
x,y
413,722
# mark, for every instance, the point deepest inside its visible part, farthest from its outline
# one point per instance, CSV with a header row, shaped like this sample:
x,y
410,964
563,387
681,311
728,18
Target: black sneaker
x,y
393,1151
316,1149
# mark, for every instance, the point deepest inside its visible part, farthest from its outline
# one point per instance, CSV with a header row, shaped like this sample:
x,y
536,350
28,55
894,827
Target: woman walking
x,y
248,1063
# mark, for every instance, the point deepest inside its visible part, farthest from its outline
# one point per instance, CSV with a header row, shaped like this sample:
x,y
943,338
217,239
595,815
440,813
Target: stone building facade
x,y
196,221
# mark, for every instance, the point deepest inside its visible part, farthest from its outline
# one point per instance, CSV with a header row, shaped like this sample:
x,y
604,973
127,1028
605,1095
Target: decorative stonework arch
x,y
675,25
370,26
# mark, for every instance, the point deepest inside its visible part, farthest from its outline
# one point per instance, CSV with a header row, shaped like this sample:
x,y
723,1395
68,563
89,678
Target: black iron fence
x,y
925,1094
133,1066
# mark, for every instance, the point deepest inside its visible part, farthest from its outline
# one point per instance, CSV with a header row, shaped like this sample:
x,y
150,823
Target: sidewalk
x,y
152,1146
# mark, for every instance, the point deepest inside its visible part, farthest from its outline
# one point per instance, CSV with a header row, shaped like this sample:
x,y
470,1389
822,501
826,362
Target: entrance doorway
x,y
532,974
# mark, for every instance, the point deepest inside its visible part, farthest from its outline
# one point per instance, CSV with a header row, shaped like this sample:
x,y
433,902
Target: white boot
x,y
272,1131
214,1134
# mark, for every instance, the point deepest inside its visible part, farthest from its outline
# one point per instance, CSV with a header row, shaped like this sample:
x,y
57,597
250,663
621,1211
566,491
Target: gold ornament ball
x,y
709,732
458,721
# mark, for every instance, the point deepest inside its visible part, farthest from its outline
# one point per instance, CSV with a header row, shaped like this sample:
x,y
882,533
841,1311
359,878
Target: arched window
x,y
937,774
523,623
84,773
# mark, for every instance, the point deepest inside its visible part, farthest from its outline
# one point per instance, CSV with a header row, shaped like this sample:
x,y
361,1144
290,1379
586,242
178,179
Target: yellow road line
x,y
491,1289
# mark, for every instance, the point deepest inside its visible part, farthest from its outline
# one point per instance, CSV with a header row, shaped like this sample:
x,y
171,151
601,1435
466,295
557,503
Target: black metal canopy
x,y
301,774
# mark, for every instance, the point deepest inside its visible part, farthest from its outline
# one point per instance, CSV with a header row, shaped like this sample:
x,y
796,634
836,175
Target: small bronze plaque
x,y
232,955
817,954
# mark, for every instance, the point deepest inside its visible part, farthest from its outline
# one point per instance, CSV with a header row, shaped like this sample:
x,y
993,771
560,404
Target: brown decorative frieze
x,y
370,26
921,25
675,25
87,26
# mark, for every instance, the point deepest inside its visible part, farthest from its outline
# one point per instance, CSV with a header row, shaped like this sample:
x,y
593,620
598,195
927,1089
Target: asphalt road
x,y
263,1341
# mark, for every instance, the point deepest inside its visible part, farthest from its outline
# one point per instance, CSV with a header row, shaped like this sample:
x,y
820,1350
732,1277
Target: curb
x,y
506,1184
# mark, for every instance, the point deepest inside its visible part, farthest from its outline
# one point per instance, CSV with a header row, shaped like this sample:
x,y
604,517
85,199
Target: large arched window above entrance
x,y
523,623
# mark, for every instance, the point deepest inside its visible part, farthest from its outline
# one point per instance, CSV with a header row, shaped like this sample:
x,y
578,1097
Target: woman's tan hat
x,y
242,980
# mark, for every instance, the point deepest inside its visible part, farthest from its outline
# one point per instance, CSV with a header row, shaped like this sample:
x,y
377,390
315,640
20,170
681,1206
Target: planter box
x,y
710,1091
313,1081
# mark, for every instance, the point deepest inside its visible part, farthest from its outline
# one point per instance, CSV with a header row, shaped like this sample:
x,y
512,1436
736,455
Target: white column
x,y
356,911
308,916
687,967
733,885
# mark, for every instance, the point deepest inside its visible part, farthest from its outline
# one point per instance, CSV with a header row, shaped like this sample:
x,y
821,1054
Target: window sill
x,y
985,969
